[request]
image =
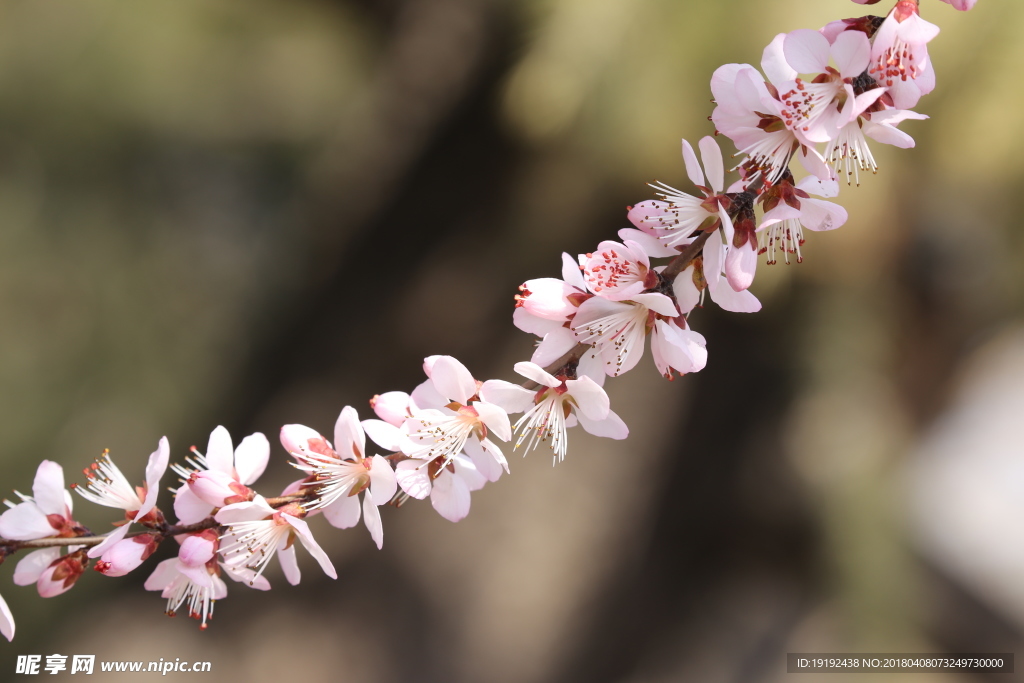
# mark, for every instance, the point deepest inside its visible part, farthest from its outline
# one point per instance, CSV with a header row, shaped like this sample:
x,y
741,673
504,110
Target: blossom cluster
x,y
821,97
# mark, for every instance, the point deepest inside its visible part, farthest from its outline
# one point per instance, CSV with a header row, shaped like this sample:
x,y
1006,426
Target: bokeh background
x,y
255,212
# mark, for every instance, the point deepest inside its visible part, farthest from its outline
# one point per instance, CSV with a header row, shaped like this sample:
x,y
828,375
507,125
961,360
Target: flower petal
x,y
653,246
290,564
371,517
6,620
112,538
343,513
163,575
851,52
484,460
31,567
249,511
382,480
693,170
25,522
48,488
428,397
251,457
590,398
536,373
495,418
511,397
466,469
220,451
450,497
452,380
413,477
774,63
302,530
611,427
155,469
888,135
528,322
711,155
553,346
729,299
349,439
197,575
807,51
681,350
387,436
659,303
686,292
246,576
713,257
571,273
817,214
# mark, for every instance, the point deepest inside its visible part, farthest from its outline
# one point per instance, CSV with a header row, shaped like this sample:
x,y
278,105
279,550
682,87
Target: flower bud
x,y
393,407
127,554
298,440
61,575
218,488
198,549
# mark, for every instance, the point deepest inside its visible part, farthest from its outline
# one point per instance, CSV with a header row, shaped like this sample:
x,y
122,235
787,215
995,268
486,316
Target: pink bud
x,y
127,554
197,550
61,575
218,488
298,439
392,407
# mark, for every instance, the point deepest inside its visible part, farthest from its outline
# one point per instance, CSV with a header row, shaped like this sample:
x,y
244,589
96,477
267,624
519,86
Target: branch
x,y
686,256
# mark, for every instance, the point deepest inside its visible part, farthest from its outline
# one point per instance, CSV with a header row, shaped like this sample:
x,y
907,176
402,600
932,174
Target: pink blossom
x,y
679,217
453,416
750,114
677,349
810,107
561,402
448,485
221,476
790,208
46,513
340,475
849,151
256,532
962,5
108,487
618,271
617,329
899,55
181,585
544,305
559,300
193,578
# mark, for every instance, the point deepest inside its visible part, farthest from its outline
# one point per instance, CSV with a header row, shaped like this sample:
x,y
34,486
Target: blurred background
x,y
253,213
